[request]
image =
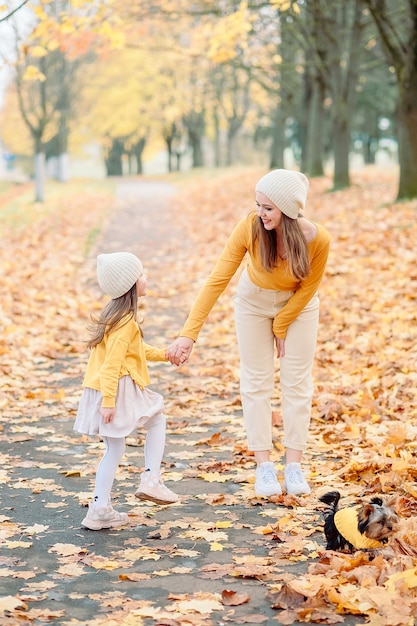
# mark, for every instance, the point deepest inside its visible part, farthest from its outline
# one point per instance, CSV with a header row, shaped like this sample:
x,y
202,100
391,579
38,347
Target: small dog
x,y
365,527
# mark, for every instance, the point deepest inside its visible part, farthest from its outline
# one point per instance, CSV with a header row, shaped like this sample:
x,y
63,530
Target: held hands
x,y
280,344
179,351
107,414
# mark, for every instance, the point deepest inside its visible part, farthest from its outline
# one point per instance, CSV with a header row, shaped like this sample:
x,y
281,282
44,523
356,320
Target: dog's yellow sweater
x,y
279,279
346,522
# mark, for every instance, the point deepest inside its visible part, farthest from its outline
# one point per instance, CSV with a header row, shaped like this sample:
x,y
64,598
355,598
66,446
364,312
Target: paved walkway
x,y
171,565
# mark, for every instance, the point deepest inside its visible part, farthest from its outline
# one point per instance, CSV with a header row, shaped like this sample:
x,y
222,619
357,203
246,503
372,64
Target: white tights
x,y
115,449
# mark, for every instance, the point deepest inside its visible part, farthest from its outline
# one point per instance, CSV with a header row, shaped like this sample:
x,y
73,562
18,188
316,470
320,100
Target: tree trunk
x,y
113,160
197,149
216,123
313,145
39,171
369,148
343,87
341,148
407,141
195,124
63,131
401,51
277,146
407,114
234,126
63,156
168,141
138,151
63,167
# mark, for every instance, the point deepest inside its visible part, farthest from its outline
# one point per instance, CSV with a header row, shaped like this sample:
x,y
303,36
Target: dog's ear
x,y
392,502
367,510
365,513
378,501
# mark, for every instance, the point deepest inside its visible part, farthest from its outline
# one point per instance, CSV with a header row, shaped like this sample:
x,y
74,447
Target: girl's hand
x,y
280,344
107,414
179,351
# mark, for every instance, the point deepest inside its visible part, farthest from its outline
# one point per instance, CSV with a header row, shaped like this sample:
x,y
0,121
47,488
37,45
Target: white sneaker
x,y
295,483
103,517
266,483
152,488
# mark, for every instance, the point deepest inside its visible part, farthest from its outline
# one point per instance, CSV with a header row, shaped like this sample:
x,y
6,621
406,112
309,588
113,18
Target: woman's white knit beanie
x,y
286,189
117,272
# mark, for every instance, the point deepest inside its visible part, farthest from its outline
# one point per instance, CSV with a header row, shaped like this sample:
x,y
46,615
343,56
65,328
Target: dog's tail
x,y
331,498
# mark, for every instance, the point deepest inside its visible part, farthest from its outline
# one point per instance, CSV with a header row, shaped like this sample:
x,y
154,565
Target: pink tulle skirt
x,y
134,407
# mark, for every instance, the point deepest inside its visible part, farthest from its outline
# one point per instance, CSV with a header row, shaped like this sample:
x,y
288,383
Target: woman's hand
x,y
280,344
179,351
107,414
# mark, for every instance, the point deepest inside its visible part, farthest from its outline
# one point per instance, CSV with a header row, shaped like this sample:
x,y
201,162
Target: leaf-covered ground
x,y
220,554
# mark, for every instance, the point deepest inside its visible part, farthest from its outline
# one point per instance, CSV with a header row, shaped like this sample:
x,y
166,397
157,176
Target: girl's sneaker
x,y
152,488
103,517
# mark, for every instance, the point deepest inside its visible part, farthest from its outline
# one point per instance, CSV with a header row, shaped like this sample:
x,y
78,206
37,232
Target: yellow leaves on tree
x,y
285,5
33,73
228,34
74,30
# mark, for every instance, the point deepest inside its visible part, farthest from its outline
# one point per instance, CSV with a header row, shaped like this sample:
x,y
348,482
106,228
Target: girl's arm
x,y
154,354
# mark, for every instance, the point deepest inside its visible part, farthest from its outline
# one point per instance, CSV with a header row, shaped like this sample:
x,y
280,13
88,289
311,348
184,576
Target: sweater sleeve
x,y
154,354
308,287
225,268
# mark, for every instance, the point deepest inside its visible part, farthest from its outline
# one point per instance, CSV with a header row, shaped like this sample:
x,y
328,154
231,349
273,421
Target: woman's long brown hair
x,y
116,310
294,242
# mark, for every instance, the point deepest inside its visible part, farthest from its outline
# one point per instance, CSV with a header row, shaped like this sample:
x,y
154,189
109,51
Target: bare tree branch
x,y
9,15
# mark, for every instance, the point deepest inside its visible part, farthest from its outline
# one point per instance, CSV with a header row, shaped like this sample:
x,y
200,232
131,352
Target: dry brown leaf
x,y
232,598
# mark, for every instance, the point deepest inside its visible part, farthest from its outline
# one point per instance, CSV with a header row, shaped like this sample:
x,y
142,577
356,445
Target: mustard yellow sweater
x,y
346,522
279,279
120,353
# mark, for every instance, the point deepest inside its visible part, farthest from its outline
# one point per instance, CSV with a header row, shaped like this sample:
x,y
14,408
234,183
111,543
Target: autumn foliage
x,y
363,433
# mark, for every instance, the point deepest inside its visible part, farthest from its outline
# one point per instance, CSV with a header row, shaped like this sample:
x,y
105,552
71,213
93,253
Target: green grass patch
x,y
21,210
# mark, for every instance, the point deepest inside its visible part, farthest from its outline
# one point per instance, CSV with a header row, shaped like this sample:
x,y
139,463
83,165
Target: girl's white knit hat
x,y
117,272
286,189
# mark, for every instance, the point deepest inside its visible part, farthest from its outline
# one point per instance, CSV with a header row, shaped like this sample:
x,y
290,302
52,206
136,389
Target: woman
x,y
276,304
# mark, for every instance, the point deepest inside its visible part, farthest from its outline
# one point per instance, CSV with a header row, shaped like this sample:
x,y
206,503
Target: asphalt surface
x,y
170,565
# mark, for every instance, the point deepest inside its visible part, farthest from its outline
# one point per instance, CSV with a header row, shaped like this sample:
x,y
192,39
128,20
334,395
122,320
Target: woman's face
x,y
141,285
269,213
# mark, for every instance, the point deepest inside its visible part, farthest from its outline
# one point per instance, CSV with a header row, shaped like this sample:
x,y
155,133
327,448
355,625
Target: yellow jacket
x,y
120,353
346,522
279,279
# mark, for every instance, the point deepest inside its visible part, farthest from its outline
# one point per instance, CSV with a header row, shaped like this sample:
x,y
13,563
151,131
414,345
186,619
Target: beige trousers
x,y
255,309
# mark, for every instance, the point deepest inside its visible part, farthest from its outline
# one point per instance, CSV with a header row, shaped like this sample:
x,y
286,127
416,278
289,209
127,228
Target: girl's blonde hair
x,y
295,246
116,313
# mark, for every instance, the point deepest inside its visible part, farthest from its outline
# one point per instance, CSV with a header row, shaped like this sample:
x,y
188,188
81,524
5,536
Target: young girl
x,y
115,400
